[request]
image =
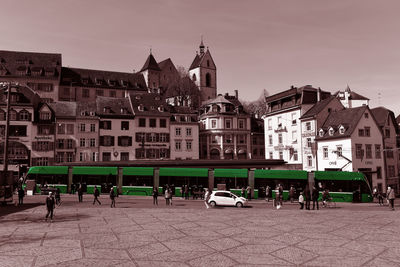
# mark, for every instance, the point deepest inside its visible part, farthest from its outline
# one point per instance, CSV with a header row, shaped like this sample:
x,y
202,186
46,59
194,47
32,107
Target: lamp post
x,y
6,134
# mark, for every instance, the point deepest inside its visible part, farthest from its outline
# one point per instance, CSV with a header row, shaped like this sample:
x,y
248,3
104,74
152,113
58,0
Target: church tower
x,y
151,73
203,72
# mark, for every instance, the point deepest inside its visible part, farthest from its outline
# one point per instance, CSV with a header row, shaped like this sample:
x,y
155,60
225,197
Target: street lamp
x,y
6,134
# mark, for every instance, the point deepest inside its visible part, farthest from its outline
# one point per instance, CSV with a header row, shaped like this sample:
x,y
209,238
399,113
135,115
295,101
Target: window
x,y
188,131
321,133
61,128
99,93
279,121
93,157
178,131
228,138
309,161
213,123
106,140
163,123
387,133
228,123
295,155
269,124
270,140
368,151
325,152
378,151
66,91
242,139
124,156
124,125
85,93
360,132
366,115
13,115
215,139
164,137
69,144
92,142
309,143
280,138
188,145
389,152
391,171
194,77
92,127
106,125
331,131
280,154
70,129
208,80
59,157
341,130
241,124
308,126
367,131
82,127
271,155
124,141
82,142
339,151
106,156
379,175
178,145
45,130
81,156
142,122
294,121
152,123
70,157
60,143
359,152
24,115
294,137
113,94
43,116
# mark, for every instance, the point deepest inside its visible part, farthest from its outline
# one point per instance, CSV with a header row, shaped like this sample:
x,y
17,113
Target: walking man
x,y
292,192
155,196
112,197
248,193
307,193
267,193
206,198
390,197
80,193
96,194
50,204
315,196
21,194
58,197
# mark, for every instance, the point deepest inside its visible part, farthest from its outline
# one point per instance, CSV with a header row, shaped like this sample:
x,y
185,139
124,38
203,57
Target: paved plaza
x,y
186,234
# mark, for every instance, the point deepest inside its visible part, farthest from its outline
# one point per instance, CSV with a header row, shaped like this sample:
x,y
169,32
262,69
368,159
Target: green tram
x,y
343,186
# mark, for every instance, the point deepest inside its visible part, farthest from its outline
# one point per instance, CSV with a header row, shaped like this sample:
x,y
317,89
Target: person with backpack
x,y
96,194
112,197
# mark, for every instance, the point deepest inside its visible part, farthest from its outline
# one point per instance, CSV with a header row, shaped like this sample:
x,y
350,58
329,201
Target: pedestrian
x,y
112,197
206,198
186,191
73,189
58,197
267,193
248,193
155,196
243,192
277,198
292,193
166,195
170,196
280,194
301,200
96,194
50,204
21,194
315,196
380,197
307,194
390,196
80,193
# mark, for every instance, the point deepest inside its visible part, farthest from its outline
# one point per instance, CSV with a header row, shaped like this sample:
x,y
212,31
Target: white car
x,y
226,198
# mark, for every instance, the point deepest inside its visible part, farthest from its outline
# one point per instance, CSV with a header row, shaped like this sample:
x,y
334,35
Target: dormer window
x,y
92,113
141,107
124,111
157,98
112,82
331,131
152,107
124,83
341,129
44,115
138,97
161,108
107,110
85,80
321,133
99,81
83,113
49,72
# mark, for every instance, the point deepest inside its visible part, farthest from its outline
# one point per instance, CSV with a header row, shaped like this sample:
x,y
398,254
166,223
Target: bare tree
x,y
183,90
257,107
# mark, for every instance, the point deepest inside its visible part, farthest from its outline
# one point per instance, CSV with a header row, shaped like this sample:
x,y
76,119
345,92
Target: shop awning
x,y
231,173
280,174
188,172
138,171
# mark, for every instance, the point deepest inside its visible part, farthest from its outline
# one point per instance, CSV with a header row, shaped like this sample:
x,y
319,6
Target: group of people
x,y
390,196
246,192
313,195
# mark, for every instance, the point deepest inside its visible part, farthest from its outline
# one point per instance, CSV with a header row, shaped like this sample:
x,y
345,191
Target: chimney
x,y
319,94
237,94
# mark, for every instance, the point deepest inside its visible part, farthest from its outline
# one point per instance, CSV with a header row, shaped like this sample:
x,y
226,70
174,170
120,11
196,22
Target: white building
x,y
350,140
351,99
283,139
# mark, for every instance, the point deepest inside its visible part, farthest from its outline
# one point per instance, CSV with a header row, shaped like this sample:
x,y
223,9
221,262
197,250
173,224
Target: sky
x,y
256,45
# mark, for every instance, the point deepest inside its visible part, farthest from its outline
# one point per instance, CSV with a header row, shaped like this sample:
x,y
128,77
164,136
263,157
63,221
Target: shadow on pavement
x,y
9,209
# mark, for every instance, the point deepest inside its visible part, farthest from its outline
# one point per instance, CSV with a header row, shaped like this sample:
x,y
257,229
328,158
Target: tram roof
x,y
236,164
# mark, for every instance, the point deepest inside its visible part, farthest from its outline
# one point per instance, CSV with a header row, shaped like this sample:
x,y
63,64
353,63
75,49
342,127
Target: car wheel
x,y
213,204
239,205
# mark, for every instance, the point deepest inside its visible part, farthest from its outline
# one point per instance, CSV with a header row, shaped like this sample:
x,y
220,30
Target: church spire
x,y
201,46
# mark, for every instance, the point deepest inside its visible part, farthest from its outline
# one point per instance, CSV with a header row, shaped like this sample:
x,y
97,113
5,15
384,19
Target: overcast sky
x,y
255,44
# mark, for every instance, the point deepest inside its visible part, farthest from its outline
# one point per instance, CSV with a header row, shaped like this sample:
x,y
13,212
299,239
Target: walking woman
x,y
166,195
112,197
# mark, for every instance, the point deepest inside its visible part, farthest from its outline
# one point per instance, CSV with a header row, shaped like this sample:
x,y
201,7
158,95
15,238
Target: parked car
x,y
226,198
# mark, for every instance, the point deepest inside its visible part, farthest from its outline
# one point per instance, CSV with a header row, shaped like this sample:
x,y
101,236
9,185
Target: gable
x,y
207,61
45,108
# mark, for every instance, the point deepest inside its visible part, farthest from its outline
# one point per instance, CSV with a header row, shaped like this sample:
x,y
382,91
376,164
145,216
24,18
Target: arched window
x,y
13,115
194,78
208,80
208,63
24,115
2,115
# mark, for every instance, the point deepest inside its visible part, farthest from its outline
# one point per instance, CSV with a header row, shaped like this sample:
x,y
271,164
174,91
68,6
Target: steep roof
x,y
165,63
382,114
349,118
85,108
296,91
218,99
352,95
113,107
317,108
151,103
109,79
35,65
64,109
150,64
195,63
